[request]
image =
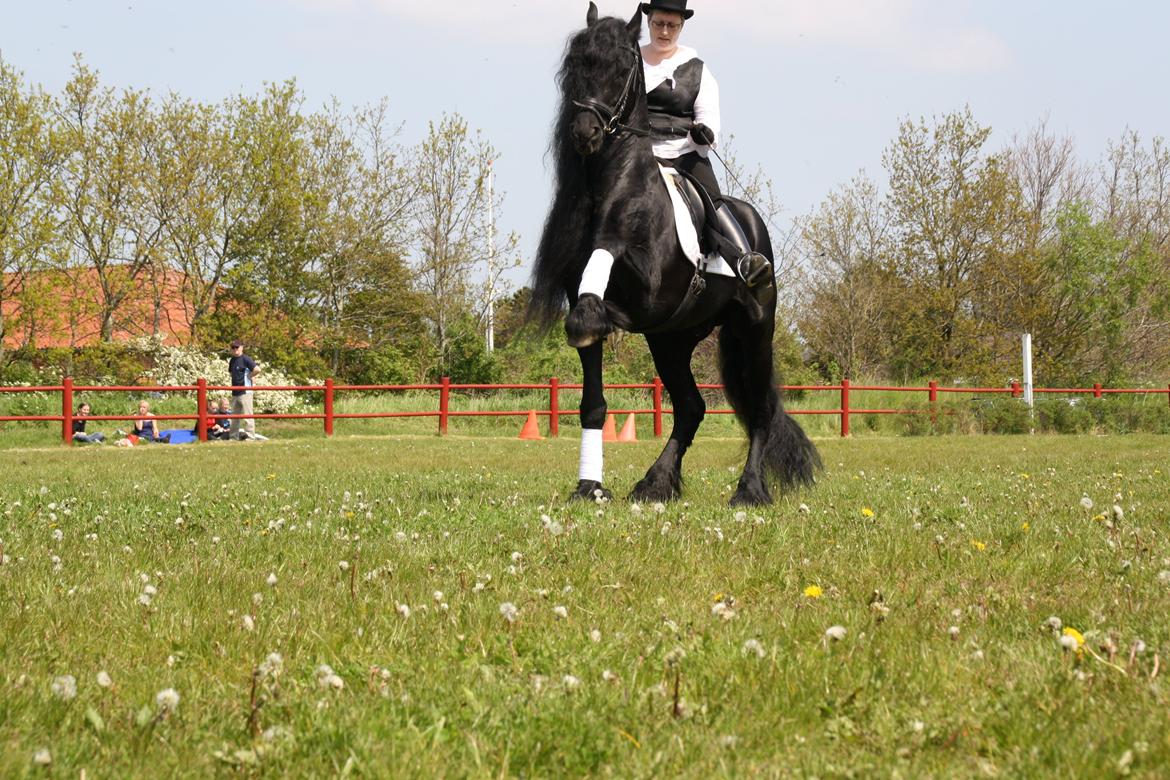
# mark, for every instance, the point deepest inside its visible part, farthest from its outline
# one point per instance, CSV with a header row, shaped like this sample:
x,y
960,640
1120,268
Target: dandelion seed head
x,y
595,636
343,565
103,679
509,611
1068,642
167,700
835,633
271,580
42,757
1087,503
64,687
403,610
571,682
753,647
248,623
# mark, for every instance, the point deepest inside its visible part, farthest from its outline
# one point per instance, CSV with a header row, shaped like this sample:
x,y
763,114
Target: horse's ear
x,y
634,27
591,14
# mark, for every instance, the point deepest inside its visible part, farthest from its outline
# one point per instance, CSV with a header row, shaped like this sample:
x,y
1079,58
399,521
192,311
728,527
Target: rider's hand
x,y
702,135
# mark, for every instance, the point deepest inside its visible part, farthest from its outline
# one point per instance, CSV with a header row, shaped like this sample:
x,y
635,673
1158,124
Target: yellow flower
x,y
1099,518
718,597
272,476
813,591
1025,475
866,512
978,545
1026,527
1077,635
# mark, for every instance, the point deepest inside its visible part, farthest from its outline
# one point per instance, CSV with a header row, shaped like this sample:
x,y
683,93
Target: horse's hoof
x,y
650,491
590,490
751,496
588,322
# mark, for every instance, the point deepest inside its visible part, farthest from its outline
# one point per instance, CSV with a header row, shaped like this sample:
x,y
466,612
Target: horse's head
x,y
601,79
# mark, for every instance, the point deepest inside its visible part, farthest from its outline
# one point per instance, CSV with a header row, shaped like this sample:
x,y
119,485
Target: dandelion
x,y
249,623
271,580
343,565
509,612
167,701
954,632
728,741
437,596
150,590
1069,642
1087,503
103,679
665,528
608,676
517,557
1075,635
64,687
595,636
1118,513
978,545
866,512
571,683
1054,623
58,535
272,666
659,507
722,611
753,647
835,633
814,591
144,599
327,679
403,610
803,509
635,509
561,612
42,757
675,656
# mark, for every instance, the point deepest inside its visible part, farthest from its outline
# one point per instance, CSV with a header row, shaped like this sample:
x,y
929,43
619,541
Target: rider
x,y
683,100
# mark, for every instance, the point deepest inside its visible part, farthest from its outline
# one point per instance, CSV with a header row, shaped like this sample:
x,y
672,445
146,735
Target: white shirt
x,y
706,105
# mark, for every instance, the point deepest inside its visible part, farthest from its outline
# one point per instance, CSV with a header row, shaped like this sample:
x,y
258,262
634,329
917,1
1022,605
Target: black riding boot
x,y
751,266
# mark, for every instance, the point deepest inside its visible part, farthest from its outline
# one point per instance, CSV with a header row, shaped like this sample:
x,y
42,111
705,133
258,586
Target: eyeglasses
x,y
665,26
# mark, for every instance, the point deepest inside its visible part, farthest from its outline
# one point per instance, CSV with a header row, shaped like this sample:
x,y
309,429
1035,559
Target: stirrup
x,y
753,268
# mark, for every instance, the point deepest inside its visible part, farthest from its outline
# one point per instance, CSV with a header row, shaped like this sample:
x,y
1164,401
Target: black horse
x,y
612,222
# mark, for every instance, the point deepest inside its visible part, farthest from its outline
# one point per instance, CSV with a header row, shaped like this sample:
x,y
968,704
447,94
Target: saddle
x,y
703,216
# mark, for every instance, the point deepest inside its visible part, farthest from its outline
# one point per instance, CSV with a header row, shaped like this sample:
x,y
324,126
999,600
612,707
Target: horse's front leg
x,y
593,410
672,359
588,322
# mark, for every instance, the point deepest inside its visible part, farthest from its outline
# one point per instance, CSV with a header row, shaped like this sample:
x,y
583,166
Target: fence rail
x,y
329,390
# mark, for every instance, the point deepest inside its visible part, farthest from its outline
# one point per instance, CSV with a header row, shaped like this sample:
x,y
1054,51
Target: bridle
x,y
612,118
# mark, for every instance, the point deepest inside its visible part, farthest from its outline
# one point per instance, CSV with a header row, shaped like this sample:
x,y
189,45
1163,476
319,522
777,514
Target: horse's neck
x,y
626,169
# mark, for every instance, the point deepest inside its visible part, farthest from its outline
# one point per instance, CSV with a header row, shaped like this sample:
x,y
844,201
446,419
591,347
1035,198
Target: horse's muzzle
x,y
587,133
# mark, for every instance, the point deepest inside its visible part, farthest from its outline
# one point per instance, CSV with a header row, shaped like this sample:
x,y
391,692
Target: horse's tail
x,y
749,381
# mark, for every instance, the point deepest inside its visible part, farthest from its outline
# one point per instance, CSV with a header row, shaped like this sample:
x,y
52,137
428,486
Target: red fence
x,y
845,411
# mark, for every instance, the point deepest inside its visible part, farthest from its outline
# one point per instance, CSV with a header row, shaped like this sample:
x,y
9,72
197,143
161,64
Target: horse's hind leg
x,y
672,359
593,411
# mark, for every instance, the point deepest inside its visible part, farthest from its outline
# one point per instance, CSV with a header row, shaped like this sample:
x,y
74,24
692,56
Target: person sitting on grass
x,y
79,433
222,419
144,425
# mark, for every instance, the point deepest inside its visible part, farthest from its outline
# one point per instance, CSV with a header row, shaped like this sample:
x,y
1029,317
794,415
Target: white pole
x,y
1027,349
491,265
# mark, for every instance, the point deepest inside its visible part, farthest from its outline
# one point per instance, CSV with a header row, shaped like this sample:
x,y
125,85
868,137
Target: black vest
x,y
672,103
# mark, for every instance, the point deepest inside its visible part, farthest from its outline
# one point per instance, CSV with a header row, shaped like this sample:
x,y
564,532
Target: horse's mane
x,y
595,56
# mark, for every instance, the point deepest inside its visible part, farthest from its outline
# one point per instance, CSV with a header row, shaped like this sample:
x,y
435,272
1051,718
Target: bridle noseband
x,y
611,118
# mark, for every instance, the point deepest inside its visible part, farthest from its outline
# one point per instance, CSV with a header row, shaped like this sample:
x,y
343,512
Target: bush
x,y
1002,415
1063,415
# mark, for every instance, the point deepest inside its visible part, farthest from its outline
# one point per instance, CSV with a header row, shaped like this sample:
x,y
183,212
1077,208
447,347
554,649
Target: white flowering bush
x,y
176,365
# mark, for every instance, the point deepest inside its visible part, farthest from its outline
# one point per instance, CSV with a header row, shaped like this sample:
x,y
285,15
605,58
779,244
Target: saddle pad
x,y
688,237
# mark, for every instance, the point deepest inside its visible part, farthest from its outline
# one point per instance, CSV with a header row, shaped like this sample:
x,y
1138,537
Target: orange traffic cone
x,y
629,432
609,430
530,431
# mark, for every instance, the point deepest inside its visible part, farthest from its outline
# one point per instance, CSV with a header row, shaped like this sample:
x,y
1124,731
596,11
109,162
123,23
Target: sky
x,y
813,90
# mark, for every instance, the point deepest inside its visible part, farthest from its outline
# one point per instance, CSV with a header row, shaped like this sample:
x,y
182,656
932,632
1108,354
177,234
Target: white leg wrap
x,y
592,458
596,276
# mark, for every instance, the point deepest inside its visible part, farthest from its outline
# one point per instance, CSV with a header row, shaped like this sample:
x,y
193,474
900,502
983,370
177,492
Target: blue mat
x,y
181,436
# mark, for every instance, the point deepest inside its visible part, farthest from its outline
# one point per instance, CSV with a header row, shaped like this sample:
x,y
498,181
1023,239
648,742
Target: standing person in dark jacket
x,y
243,369
79,433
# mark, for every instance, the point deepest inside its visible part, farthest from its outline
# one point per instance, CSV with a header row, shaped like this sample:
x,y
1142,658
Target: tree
x,y
30,159
955,216
451,166
847,288
109,223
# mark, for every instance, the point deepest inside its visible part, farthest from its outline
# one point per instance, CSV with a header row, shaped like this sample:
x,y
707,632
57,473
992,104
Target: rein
x,y
611,118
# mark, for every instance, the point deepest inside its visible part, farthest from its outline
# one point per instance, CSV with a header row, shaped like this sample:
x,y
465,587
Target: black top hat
x,y
675,6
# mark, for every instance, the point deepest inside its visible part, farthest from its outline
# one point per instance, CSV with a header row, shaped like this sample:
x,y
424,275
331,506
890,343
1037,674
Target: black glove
x,y
702,135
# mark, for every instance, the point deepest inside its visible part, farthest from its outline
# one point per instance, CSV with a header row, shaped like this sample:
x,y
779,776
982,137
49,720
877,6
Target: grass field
x,y
686,640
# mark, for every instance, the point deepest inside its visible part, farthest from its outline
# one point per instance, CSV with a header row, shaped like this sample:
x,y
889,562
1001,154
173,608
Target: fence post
x,y
1097,390
1016,391
444,404
329,406
844,408
933,402
554,407
67,410
657,389
201,409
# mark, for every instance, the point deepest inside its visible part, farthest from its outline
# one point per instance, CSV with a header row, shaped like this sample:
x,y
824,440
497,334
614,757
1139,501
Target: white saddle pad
x,y
688,237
